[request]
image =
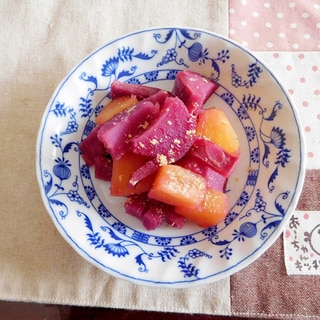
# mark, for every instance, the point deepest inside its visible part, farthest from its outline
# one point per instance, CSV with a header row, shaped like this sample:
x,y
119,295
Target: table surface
x,y
41,276
36,311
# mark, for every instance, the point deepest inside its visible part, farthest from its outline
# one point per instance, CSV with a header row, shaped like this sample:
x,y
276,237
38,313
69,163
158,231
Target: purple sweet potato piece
x,y
166,140
174,220
147,210
155,214
152,212
136,205
160,96
119,89
116,133
220,161
144,171
193,89
169,136
103,168
214,180
152,219
91,147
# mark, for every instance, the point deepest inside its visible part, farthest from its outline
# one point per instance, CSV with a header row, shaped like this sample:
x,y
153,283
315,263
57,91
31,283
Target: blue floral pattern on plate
x,y
263,191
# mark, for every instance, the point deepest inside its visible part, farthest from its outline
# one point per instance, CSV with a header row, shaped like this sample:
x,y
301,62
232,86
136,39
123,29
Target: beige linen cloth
x,y
41,41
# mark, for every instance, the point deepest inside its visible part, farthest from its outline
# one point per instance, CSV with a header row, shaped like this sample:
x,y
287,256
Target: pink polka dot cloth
x,y
286,36
300,74
275,25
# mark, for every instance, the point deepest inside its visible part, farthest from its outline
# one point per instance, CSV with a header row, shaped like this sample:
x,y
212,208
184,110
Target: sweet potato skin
x,y
193,89
167,139
170,135
120,89
116,133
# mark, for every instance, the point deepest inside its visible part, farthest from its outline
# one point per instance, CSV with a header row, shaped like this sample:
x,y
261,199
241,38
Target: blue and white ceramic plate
x,y
263,190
